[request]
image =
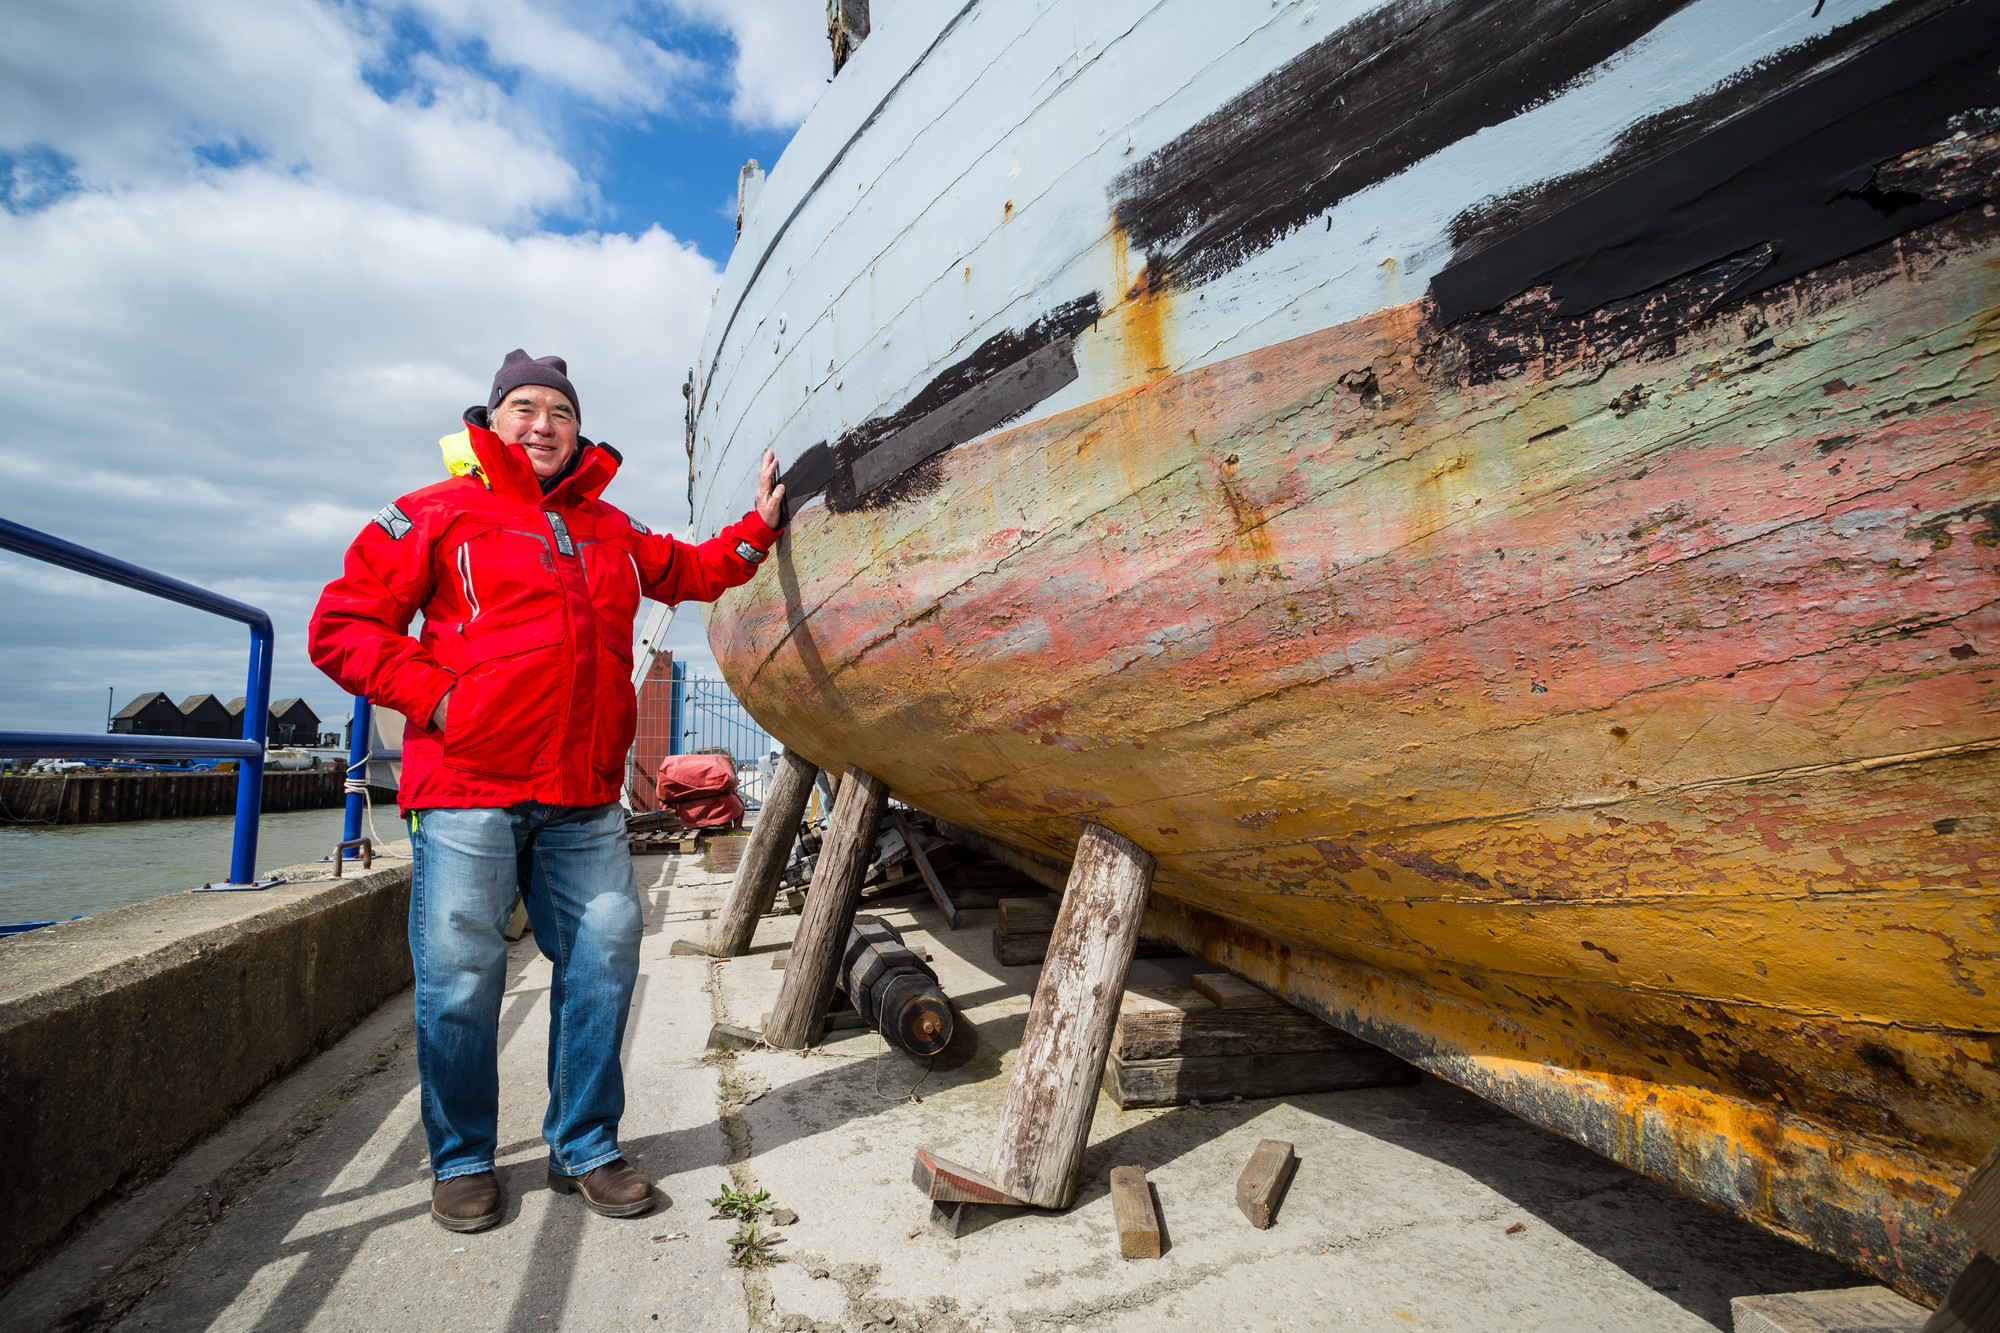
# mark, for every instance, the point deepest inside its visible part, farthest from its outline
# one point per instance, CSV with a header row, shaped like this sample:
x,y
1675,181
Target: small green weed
x,y
751,1248
742,1206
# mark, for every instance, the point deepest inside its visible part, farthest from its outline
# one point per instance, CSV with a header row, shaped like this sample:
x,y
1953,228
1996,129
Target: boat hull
x,y
1600,712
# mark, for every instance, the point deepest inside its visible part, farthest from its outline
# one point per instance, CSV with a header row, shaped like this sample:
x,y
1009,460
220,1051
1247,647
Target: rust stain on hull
x,y
1611,719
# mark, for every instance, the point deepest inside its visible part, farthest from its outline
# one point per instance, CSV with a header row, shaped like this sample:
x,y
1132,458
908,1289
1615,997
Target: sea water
x,y
57,871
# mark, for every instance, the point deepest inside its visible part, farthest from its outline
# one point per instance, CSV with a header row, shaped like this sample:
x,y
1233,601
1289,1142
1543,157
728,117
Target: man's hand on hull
x,y
770,495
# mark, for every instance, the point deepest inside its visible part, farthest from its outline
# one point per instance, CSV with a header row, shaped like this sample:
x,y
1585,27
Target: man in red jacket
x,y
522,679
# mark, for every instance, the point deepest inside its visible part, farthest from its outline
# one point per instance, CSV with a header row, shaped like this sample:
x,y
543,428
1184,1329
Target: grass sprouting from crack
x,y
751,1248
740,1204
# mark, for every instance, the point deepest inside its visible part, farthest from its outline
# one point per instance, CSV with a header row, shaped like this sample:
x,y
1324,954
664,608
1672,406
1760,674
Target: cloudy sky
x,y
256,255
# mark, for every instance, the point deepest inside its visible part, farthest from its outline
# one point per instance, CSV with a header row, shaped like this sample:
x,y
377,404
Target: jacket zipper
x,y
465,577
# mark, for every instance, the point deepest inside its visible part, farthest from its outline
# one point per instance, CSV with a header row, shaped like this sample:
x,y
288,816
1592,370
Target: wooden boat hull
x,y
1597,712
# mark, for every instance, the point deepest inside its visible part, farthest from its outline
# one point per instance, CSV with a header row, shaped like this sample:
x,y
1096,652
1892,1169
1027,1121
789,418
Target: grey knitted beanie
x,y
519,368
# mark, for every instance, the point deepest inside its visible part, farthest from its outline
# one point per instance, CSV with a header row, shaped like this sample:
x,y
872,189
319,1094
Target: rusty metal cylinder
x,y
895,991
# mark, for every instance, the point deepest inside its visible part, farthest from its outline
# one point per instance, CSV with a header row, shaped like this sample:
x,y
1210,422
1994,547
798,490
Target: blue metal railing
x,y
248,752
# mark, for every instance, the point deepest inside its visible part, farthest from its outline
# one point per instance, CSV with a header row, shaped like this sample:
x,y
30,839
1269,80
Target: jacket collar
x,y
507,470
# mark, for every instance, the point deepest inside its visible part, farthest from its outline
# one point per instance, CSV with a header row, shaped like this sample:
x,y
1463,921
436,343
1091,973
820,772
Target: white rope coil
x,y
354,786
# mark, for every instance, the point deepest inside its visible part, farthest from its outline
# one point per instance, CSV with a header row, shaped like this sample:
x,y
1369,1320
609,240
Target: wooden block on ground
x,y
686,949
1229,991
1848,1310
1261,1187
795,900
1977,1210
1214,1078
1132,1207
947,1182
1028,916
952,1220
779,960
1020,950
727,1037
1165,1022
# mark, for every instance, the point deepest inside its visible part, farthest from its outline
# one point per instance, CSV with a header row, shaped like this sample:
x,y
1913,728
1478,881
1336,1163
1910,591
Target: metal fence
x,y
710,720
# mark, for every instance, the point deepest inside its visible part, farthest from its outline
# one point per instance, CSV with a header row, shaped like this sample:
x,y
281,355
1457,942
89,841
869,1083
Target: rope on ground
x,y
882,1049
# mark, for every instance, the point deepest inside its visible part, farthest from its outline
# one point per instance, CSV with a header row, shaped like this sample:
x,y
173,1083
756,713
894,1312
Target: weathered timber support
x,y
1045,1122
799,1013
756,884
923,864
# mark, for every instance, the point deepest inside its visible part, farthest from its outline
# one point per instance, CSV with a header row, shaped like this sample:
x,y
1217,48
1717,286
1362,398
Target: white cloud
x,y
135,93
782,57
295,244
596,55
222,380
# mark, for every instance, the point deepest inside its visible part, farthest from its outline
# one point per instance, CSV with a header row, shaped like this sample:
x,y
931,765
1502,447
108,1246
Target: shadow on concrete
x,y
1694,1255
276,1226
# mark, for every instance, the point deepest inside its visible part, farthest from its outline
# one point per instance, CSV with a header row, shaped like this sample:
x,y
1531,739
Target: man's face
x,y
540,420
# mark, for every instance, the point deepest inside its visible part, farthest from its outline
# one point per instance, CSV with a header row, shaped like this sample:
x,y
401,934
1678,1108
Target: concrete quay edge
x,y
127,1036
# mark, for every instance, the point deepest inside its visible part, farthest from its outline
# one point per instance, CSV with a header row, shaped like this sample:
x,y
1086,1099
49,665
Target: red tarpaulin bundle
x,y
719,811
685,775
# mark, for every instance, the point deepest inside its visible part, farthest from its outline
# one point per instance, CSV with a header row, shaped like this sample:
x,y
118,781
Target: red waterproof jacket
x,y
528,602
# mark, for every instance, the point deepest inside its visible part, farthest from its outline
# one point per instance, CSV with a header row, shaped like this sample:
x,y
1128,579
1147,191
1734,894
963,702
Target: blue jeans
x,y
574,872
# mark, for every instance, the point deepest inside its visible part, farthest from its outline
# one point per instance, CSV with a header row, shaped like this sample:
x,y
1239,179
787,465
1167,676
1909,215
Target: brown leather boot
x,y
615,1189
467,1203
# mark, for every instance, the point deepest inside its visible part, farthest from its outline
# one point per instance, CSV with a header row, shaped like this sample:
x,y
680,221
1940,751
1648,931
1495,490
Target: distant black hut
x,y
205,715
293,722
151,714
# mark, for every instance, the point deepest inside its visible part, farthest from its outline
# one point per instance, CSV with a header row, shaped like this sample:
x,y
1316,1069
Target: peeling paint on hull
x,y
1599,708
1640,716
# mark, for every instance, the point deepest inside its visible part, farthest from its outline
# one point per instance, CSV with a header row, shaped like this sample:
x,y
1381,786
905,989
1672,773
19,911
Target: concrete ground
x,y
1402,1215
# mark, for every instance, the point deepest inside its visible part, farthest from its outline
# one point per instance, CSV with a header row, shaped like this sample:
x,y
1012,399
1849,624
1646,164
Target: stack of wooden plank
x,y
1027,923
1223,1038
1024,929
984,883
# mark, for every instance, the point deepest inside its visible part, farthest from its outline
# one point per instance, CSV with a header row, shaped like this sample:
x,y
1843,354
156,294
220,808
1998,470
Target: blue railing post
x,y
677,710
357,765
250,772
248,752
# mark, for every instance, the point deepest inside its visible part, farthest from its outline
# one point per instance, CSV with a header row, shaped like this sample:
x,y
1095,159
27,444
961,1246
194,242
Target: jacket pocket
x,y
506,713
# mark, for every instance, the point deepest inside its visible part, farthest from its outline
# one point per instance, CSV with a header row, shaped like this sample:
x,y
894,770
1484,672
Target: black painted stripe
x,y
1795,175
1383,93
991,403
999,381
1653,137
